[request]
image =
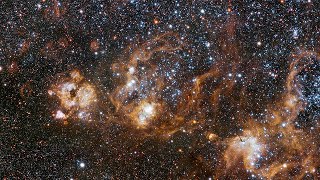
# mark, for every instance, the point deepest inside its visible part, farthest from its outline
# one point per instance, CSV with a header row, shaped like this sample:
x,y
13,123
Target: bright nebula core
x,y
136,89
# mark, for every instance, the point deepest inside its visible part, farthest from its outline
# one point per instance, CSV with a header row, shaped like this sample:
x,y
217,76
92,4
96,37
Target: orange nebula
x,y
137,95
76,97
141,78
295,153
248,147
138,102
144,113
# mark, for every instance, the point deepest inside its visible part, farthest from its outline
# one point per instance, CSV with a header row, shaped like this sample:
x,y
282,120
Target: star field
x,y
136,89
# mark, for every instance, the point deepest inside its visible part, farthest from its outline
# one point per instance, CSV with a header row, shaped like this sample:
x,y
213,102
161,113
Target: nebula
x,y
143,81
280,134
130,89
76,97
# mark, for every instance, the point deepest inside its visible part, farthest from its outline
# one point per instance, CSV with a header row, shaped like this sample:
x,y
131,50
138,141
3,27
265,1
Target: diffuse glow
x,y
76,97
140,86
175,89
247,147
144,113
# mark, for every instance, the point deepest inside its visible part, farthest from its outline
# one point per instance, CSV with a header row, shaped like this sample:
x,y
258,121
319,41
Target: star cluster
x,y
136,89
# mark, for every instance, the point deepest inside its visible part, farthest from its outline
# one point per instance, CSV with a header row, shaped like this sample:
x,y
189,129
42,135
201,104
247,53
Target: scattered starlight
x,y
130,89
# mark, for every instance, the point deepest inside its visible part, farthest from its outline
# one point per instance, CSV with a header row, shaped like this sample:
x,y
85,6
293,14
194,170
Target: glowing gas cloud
x,y
279,134
76,97
145,73
144,78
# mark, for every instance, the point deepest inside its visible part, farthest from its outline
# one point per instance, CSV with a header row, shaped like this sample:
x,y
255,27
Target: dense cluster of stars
x,y
135,89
